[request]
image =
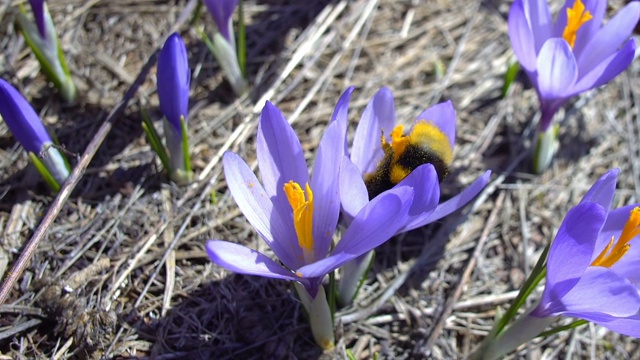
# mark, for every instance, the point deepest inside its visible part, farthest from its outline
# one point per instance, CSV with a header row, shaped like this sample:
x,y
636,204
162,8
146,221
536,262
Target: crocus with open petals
x,y
378,118
174,78
40,35
223,46
570,55
28,129
592,271
297,215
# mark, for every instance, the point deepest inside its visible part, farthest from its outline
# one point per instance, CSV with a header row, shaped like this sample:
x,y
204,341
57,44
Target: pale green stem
x,y
319,316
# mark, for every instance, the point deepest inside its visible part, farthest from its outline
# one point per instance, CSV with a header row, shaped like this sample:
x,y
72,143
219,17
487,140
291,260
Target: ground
x,y
122,272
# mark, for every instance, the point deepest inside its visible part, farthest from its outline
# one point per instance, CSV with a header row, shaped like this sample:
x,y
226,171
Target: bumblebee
x,y
425,144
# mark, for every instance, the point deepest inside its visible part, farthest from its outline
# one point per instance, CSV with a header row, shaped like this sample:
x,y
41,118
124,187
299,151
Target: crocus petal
x,y
280,156
38,14
443,115
521,36
374,224
459,200
424,181
626,267
608,69
597,291
603,190
539,17
629,326
341,113
571,250
21,119
174,78
221,11
378,116
241,259
325,187
353,191
557,68
607,40
259,210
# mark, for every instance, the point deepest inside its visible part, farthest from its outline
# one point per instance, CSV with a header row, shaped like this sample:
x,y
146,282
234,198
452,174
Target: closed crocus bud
x,y
40,35
38,13
223,45
28,129
174,78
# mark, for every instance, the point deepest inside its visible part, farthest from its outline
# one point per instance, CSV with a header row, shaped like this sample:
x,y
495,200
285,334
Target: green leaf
x,y
185,145
154,140
513,67
46,175
558,329
242,40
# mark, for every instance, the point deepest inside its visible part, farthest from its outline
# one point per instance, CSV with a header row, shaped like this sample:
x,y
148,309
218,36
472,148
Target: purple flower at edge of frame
x,y
380,117
22,120
297,215
37,6
174,77
573,54
592,269
221,11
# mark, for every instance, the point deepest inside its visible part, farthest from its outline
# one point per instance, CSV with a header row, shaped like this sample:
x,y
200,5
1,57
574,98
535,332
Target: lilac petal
x,y
629,326
608,69
242,260
443,115
22,120
374,224
571,250
174,78
258,209
459,200
539,17
603,190
521,36
326,187
38,14
588,30
424,181
601,290
607,40
280,156
378,116
557,68
612,228
341,113
221,11
353,191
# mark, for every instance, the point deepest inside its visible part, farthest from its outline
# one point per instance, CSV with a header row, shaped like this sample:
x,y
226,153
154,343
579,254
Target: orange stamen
x,y
613,252
576,17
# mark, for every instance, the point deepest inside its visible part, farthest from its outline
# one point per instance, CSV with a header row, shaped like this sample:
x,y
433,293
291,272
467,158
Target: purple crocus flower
x,y
21,119
296,214
439,125
174,78
38,13
592,270
221,11
575,52
27,128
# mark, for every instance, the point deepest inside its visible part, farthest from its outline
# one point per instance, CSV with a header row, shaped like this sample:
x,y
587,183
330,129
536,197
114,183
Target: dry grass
x,y
123,273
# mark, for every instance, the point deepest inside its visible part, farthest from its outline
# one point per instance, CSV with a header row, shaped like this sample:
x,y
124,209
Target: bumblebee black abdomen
x,y
426,144
416,155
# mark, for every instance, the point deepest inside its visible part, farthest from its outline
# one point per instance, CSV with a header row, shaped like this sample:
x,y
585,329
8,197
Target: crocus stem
x,y
319,316
352,275
524,329
546,146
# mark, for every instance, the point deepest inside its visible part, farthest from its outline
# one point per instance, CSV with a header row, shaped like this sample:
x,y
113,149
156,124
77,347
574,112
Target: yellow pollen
x,y
576,17
613,252
302,213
